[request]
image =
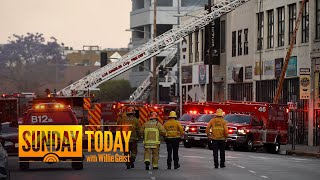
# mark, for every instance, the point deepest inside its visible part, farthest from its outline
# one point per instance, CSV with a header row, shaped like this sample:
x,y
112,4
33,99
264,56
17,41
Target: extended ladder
x,y
152,48
143,91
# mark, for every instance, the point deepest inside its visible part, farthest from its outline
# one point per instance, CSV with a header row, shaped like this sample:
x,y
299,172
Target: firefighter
x,y
152,130
174,133
219,135
130,123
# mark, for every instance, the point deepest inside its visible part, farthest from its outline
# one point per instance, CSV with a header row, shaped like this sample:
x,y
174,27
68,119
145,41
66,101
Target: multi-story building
x,y
141,24
254,41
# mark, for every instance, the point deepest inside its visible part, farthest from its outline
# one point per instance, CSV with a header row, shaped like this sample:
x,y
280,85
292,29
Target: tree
x,y
115,90
28,62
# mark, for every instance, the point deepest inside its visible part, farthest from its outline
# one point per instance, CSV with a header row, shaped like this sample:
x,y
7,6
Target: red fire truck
x,y
250,125
111,111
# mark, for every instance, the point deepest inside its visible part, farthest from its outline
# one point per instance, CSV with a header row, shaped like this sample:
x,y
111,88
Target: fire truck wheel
x,y
249,145
24,165
275,148
186,144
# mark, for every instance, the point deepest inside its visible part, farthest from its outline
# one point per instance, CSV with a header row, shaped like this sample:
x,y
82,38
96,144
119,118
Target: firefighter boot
x,y
177,166
147,165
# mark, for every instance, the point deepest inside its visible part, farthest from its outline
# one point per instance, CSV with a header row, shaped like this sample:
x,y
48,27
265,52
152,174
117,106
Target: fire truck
x,y
111,111
13,106
250,125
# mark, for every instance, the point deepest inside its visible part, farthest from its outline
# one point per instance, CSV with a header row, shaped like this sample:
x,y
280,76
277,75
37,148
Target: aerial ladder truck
x,y
151,48
144,52
143,91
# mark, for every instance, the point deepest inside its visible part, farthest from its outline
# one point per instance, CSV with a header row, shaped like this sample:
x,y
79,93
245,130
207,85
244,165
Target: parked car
x,y
9,137
187,118
195,132
4,171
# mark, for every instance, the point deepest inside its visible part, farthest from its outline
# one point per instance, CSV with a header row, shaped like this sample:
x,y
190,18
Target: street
x,y
196,163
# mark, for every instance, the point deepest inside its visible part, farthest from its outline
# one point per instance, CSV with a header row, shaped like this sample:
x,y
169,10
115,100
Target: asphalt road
x,y
196,163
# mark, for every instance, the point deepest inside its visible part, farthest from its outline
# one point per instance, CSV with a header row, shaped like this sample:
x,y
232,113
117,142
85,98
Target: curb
x,y
301,153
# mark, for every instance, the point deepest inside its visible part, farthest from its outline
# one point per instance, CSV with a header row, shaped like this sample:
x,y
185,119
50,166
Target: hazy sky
x,y
73,22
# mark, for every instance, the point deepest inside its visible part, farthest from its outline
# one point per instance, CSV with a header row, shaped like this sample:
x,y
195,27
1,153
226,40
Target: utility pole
x,y
209,93
154,59
261,15
179,90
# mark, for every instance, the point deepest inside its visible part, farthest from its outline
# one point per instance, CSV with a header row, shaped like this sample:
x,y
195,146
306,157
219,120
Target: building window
x,y
245,43
260,30
190,49
281,24
223,36
292,21
197,46
234,45
270,28
305,23
239,43
317,19
166,3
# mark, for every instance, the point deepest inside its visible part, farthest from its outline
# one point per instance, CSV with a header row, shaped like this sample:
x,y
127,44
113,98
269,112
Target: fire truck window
x,y
235,118
255,121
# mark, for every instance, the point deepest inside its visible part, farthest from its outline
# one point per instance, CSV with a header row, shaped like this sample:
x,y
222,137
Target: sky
x,y
73,22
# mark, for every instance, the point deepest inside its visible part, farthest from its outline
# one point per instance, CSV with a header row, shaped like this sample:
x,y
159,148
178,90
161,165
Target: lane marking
x,y
240,166
195,157
261,157
264,177
231,157
300,159
153,178
162,156
252,172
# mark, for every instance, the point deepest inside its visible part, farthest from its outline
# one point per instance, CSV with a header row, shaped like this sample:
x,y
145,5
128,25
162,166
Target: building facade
x,y
254,41
141,25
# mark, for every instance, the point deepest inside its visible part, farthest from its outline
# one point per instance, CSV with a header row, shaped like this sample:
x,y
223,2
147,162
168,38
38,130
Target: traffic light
x,y
162,72
103,59
172,89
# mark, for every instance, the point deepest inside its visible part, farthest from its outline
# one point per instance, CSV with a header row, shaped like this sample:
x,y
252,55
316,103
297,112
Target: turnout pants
x,y
133,150
173,148
219,144
154,152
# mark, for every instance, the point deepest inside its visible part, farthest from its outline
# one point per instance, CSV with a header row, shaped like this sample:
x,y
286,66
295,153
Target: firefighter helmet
x,y
219,112
130,110
173,114
153,115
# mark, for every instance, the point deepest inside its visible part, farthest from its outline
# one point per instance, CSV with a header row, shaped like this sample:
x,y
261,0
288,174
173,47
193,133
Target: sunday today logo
x,y
58,143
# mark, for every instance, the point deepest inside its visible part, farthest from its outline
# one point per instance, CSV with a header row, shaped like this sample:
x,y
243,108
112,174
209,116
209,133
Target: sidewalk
x,y
302,150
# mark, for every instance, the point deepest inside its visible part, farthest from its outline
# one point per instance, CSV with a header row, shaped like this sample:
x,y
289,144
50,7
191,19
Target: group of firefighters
x,y
172,132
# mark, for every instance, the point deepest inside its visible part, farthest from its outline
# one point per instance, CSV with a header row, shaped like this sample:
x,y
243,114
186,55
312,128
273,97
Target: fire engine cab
x,y
250,125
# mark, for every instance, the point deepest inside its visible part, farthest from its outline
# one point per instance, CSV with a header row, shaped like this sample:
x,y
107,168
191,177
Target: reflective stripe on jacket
x,y
173,128
149,127
219,129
